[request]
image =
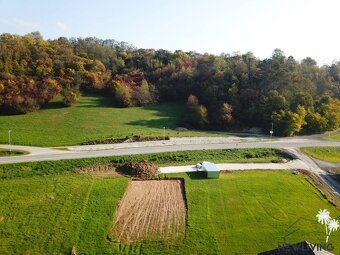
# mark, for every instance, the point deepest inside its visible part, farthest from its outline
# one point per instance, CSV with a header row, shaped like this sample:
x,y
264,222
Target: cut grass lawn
x,y
334,138
331,154
48,215
8,153
240,213
93,118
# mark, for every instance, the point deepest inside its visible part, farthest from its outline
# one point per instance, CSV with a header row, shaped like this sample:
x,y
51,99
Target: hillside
x,y
95,117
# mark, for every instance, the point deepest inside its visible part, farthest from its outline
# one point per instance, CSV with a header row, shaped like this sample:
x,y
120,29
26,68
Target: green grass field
x,y
93,118
334,137
331,154
240,213
7,153
48,215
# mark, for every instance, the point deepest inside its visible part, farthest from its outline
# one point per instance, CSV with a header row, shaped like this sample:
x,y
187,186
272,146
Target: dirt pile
x,y
98,170
143,170
127,139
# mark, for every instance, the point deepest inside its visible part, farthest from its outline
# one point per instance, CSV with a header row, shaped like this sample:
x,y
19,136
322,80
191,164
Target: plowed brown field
x,y
151,210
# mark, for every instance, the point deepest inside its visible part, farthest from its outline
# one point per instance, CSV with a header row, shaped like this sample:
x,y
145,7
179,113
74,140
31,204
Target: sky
x,y
301,28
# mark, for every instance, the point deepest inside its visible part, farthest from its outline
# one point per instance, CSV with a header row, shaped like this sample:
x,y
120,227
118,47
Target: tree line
x,y
225,92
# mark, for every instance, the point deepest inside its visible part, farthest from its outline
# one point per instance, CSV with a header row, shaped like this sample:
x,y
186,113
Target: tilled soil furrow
x,y
150,210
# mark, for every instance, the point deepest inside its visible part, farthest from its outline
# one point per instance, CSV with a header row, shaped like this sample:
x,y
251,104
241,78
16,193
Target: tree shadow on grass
x,y
166,115
93,101
167,122
53,105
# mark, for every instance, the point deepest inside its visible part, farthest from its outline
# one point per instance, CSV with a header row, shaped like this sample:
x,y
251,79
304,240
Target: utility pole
x,y
272,130
164,134
9,141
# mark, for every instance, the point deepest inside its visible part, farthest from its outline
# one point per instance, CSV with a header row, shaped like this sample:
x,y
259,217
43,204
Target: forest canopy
x,y
225,92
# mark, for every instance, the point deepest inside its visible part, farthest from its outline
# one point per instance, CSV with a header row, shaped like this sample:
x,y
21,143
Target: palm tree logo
x,y
331,225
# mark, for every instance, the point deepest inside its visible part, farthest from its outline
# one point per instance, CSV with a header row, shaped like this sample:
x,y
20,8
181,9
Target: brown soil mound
x,y
98,170
151,210
144,170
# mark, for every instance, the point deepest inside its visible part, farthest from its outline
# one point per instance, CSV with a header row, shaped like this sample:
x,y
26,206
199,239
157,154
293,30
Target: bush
x,y
122,95
141,95
196,115
71,96
19,95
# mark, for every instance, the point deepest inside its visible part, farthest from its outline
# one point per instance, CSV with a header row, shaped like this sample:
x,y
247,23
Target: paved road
x,y
289,144
41,154
317,169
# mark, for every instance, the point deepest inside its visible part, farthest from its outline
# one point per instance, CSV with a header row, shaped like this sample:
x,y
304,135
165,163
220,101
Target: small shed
x,y
212,171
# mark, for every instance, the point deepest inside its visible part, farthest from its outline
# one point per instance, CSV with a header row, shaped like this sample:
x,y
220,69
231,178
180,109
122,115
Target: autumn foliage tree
x,y
122,95
196,115
239,91
315,122
70,96
226,115
331,112
288,123
23,94
141,94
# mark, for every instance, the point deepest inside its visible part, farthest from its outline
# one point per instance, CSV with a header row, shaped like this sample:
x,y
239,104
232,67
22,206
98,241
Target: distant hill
x,y
227,91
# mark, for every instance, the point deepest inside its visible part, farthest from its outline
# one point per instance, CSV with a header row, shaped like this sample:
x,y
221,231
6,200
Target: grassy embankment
x,y
331,154
333,137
